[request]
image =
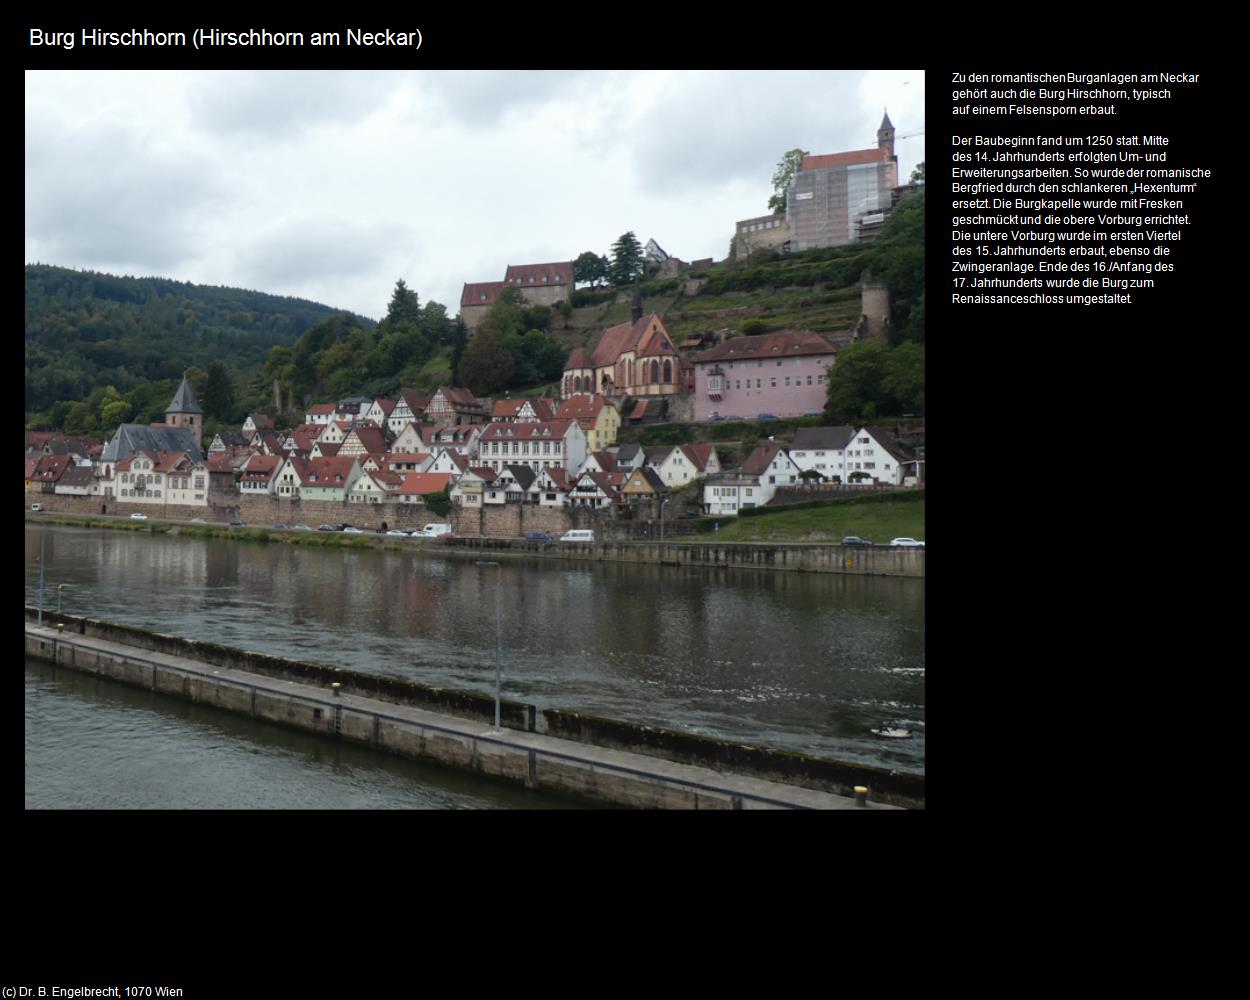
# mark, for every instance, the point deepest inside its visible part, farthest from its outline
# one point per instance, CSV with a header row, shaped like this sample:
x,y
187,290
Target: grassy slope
x,y
878,521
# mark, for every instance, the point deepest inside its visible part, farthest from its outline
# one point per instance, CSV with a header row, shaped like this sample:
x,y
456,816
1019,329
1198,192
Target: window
x,y
773,382
787,381
757,383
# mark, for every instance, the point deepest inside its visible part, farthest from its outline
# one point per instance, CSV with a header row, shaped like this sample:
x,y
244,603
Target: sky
x,y
330,186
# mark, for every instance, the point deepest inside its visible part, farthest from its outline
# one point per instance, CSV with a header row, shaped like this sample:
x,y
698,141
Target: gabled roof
x,y
758,461
321,408
483,473
627,453
606,460
300,466
385,405
539,275
509,408
141,437
474,291
616,340
330,471
822,438
184,400
656,454
578,359
50,468
852,158
460,398
523,474
885,437
650,477
261,421
582,406
559,476
420,483
544,430
699,454
257,463
76,475
371,438
784,343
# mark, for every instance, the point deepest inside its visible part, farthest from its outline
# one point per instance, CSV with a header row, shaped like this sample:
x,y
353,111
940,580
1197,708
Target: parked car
x,y
578,535
325,527
36,507
399,532
909,543
280,526
198,520
138,517
767,416
538,536
436,530
349,530
856,540
301,527
237,524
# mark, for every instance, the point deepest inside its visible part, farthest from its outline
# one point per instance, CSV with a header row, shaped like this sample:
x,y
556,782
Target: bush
x,y
590,297
754,327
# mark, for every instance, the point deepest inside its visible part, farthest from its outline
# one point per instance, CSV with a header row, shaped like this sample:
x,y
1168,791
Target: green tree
x,y
219,393
855,382
626,259
487,364
591,267
917,175
903,377
404,311
782,176
435,324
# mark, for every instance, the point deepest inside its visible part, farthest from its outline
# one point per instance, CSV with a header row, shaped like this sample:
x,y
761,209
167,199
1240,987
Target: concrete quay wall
x,y
543,763
802,558
251,671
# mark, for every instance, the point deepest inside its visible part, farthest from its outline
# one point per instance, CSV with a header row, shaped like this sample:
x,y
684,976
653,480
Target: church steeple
x,y
184,411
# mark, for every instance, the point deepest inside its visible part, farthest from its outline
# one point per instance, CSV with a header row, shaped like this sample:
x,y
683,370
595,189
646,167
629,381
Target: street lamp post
x,y
41,539
663,504
498,632
59,588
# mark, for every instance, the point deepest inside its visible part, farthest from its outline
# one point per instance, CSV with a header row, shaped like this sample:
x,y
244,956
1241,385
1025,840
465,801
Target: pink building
x,y
780,374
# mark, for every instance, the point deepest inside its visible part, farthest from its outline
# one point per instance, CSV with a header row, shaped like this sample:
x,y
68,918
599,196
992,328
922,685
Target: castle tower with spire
x,y
184,411
885,136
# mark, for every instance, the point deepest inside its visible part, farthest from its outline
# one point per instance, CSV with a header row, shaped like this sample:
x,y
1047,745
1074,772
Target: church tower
x,y
184,411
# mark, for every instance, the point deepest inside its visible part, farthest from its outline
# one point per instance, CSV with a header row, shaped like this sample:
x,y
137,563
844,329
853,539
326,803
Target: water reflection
x,y
796,660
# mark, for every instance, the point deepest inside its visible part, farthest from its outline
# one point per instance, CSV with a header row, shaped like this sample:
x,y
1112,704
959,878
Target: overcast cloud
x,y
332,185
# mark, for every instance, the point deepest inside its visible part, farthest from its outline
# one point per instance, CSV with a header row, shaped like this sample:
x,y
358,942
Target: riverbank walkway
x,y
542,762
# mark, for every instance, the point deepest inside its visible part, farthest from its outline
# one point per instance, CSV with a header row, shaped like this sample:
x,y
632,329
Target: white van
x,y
578,535
435,530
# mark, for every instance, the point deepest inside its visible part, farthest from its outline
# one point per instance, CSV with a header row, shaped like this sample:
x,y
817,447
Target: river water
x,y
802,661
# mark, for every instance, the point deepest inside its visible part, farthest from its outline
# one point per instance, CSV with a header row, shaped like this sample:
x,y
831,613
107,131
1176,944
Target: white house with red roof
x,y
418,485
450,462
551,487
471,487
290,476
365,438
559,443
330,478
771,467
375,487
597,489
408,409
259,472
322,413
